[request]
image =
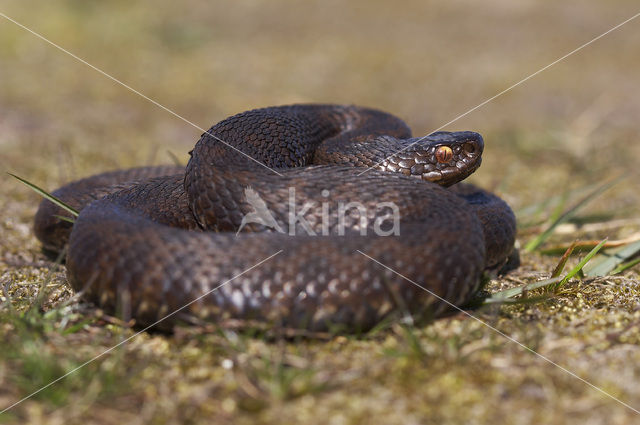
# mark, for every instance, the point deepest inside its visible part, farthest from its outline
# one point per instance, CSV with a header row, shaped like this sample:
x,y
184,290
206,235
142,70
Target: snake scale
x,y
151,240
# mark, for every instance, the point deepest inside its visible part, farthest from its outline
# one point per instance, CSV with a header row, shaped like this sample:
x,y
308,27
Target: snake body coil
x,y
140,244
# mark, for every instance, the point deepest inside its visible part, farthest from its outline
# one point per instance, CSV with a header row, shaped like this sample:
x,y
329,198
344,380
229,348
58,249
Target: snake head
x,y
444,157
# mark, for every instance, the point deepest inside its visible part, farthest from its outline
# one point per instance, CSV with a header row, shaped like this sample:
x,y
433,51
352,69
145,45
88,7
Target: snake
x,y
306,216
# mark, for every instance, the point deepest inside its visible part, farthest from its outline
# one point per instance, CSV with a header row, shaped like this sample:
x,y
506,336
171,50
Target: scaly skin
x,y
143,249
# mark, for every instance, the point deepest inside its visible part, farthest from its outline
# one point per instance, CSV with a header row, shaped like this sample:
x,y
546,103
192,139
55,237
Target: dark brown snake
x,y
139,246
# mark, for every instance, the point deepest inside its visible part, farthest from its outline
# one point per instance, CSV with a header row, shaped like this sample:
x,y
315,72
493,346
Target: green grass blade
x,y
47,195
519,301
63,218
533,211
577,269
538,240
624,266
579,247
555,282
538,207
608,262
507,294
558,203
76,327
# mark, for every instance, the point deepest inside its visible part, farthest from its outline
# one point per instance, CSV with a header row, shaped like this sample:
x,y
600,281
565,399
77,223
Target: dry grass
x,y
571,127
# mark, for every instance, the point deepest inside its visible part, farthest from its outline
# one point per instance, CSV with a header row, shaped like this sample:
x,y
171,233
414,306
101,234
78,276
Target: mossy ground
x,y
570,127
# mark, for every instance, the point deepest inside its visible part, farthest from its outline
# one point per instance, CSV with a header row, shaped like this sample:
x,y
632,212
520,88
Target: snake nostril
x,y
469,148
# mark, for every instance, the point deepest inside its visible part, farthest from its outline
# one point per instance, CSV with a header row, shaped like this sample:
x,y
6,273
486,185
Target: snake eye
x,y
444,154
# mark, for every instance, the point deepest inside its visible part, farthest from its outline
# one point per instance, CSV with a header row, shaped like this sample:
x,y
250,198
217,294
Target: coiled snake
x,y
151,240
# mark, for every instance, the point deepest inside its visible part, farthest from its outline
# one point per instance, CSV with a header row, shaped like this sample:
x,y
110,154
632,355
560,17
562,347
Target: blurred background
x,y
574,125
425,61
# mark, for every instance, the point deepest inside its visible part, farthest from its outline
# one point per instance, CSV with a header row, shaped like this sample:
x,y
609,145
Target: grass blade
x,y
507,294
63,218
47,195
608,262
588,245
577,269
554,282
538,240
624,266
578,247
535,211
563,261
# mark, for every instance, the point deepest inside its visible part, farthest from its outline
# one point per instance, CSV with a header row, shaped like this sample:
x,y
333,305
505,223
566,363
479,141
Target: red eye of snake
x,y
444,154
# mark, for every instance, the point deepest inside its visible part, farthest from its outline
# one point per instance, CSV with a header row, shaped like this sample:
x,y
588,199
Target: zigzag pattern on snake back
x,y
150,240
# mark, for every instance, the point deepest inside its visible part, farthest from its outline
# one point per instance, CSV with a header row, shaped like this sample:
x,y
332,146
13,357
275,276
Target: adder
x,y
366,223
